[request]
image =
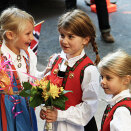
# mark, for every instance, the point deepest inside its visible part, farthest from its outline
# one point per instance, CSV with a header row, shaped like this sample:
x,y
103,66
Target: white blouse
x,y
122,117
75,118
11,56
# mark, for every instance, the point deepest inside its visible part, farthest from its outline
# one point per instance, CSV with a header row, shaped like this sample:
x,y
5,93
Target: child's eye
x,y
108,77
70,36
62,35
101,76
27,33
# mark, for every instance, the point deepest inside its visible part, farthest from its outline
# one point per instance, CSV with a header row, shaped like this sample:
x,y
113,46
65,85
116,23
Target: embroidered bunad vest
x,y
108,114
72,79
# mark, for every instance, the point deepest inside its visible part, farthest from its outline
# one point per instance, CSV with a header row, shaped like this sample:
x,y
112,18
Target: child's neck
x,y
69,56
13,49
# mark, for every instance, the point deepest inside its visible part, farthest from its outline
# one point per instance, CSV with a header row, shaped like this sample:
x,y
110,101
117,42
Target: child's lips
x,y
27,44
105,88
65,47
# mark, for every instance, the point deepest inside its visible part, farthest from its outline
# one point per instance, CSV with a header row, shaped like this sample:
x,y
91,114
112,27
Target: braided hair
x,y
95,49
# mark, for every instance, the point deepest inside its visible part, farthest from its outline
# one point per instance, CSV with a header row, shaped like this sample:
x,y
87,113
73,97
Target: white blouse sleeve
x,y
33,65
82,113
121,120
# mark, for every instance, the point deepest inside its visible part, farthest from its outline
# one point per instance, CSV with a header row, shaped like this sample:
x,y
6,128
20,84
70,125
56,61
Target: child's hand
x,y
51,115
48,69
43,114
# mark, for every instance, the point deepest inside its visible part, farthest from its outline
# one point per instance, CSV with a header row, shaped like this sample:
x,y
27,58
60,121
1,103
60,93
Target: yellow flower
x,y
45,95
61,89
54,91
43,84
37,83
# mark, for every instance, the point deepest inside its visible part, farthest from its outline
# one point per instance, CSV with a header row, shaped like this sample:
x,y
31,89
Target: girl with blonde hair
x,y
115,70
16,30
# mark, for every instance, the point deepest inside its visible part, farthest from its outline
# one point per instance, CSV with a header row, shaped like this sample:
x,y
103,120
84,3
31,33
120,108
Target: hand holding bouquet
x,y
46,91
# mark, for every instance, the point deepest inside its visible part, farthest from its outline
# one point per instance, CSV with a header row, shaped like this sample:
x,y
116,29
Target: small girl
x,y
75,72
16,27
115,70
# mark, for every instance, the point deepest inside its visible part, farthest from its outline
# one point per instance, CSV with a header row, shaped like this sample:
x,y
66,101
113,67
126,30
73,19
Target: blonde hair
x,y
13,19
79,23
118,63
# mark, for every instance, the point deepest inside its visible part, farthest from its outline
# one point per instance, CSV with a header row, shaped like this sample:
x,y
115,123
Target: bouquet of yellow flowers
x,y
45,91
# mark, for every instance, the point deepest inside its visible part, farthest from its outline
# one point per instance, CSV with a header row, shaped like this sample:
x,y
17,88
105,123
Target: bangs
x,y
106,71
72,28
75,24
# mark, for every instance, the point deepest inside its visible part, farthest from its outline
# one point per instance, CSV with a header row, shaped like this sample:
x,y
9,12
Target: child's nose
x,y
65,41
103,81
102,85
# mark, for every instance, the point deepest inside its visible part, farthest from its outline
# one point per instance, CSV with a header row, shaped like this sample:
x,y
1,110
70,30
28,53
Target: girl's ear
x,y
127,80
86,40
10,35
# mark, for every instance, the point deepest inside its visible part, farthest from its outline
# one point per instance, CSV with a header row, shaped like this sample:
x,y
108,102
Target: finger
x,y
48,111
49,121
42,111
48,69
42,117
49,117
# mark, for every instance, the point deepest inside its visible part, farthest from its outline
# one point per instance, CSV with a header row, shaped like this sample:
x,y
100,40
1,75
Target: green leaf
x,y
39,90
60,102
27,85
24,94
36,101
48,86
66,91
49,101
28,91
33,92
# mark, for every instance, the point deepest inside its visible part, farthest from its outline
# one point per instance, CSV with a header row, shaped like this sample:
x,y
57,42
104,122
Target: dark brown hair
x,y
79,23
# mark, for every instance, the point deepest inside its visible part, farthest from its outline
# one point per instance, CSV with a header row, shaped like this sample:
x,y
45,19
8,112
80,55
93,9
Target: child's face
x,y
112,84
71,44
25,37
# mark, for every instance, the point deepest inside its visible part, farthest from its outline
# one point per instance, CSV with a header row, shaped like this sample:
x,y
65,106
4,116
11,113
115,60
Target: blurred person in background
x,y
102,14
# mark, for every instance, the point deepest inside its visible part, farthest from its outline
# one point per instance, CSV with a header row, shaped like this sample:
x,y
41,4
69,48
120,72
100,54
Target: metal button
x,y
71,75
55,71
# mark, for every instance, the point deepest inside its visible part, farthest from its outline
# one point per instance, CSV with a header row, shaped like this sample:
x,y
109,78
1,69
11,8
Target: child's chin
x,y
65,51
106,92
